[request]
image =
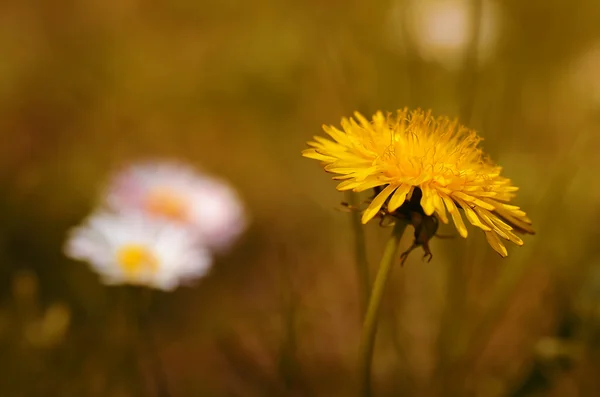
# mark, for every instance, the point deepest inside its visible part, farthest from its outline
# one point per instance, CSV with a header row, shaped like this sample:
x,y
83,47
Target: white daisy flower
x,y
135,249
176,192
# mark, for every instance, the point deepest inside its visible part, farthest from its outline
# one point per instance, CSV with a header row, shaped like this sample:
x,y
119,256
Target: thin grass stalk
x,y
369,331
288,366
142,304
360,254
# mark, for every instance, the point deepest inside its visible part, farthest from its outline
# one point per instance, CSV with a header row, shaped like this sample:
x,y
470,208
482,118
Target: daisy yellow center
x,y
400,154
135,259
167,203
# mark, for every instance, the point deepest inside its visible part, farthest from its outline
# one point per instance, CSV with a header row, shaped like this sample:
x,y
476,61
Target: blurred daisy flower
x,y
177,193
420,168
138,250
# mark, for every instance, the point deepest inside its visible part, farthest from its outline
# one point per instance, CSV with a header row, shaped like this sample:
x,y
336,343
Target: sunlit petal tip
x,y
367,216
496,244
442,217
518,241
341,177
345,123
375,206
337,135
378,117
440,209
428,208
474,219
427,201
346,185
362,119
398,197
456,218
315,155
368,184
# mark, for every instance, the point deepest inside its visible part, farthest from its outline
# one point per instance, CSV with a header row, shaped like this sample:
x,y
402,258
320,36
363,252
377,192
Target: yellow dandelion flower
x,y
425,166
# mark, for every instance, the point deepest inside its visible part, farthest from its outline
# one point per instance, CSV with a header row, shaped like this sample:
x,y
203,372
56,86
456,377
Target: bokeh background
x,y
237,88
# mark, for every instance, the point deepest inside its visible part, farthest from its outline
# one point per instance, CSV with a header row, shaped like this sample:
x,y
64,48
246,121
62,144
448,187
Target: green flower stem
x,y
367,341
142,305
360,252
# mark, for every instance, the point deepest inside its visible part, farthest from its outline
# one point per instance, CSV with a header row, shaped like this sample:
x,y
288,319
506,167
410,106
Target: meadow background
x,y
237,88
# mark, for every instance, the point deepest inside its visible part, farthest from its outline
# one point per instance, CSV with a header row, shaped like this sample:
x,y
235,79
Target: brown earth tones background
x,y
237,88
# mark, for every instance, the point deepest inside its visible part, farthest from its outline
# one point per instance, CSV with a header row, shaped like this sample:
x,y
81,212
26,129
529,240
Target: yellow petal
x,y
364,175
509,207
363,121
350,163
521,214
368,184
514,238
379,119
342,177
472,216
500,232
427,200
507,230
313,154
347,185
496,244
327,145
339,170
458,222
486,215
513,209
479,193
501,228
336,134
399,197
521,224
377,202
474,200
440,209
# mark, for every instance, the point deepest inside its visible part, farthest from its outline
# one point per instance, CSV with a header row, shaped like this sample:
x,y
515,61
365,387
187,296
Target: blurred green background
x,y
237,88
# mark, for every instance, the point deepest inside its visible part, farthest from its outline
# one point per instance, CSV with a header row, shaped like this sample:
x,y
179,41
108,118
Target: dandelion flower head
x,y
415,158
178,193
138,250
